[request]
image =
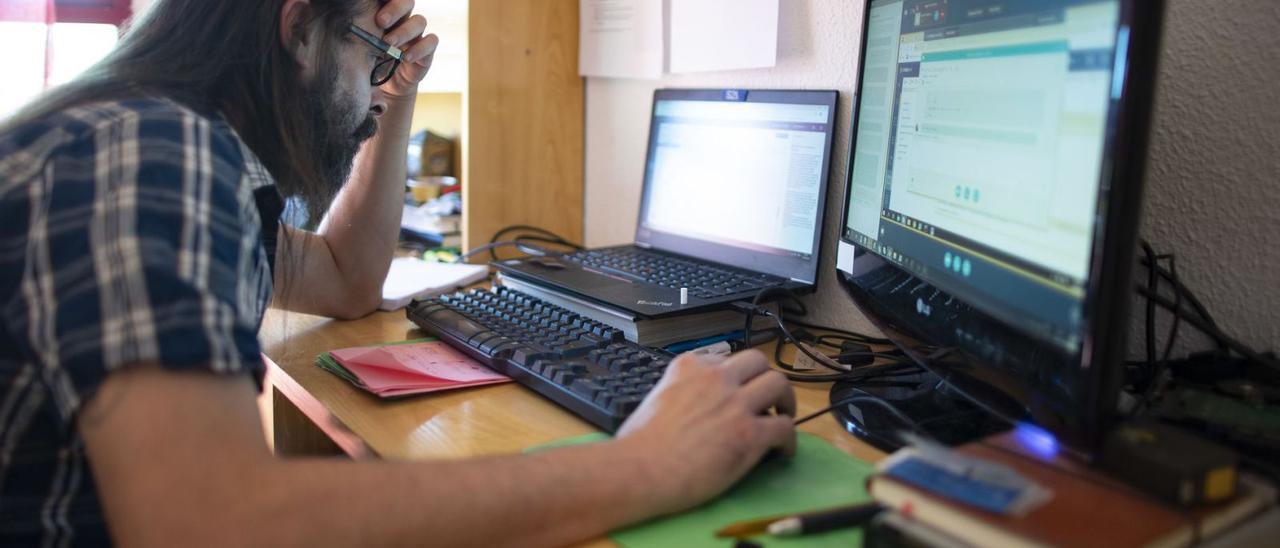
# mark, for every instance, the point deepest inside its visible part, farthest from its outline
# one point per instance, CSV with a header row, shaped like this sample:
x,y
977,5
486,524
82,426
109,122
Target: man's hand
x,y
706,424
406,33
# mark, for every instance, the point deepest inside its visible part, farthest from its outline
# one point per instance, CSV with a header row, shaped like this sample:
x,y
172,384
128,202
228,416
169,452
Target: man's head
x,y
287,74
341,102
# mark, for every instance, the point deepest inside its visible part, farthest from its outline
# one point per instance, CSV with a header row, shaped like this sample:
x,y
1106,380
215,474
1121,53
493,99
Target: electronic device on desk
x,y
733,199
993,197
656,332
582,365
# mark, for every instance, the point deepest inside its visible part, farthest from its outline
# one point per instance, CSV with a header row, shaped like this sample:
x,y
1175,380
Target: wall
x,y
1212,190
439,112
1212,197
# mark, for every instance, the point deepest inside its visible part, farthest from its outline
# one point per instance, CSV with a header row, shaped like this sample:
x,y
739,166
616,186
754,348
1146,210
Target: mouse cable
x,y
540,233
866,397
528,248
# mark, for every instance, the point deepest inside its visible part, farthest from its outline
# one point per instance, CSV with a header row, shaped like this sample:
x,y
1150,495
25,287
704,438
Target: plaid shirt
x,y
129,233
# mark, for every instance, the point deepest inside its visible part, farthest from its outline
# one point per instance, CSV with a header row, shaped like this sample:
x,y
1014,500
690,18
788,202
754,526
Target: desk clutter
x,y
410,367
970,497
818,476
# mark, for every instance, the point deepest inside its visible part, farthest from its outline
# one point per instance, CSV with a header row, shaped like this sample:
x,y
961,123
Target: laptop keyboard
x,y
705,281
581,364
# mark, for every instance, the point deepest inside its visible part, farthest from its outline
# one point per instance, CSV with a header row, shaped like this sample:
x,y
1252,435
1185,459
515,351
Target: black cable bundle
x,y
1197,316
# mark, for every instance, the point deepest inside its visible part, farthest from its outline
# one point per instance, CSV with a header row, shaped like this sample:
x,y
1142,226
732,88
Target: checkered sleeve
x,y
142,238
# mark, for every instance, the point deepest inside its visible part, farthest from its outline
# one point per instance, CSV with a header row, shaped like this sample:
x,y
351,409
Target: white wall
x,y
1212,193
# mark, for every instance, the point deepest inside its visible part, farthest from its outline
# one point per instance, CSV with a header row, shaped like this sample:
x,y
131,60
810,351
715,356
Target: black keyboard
x,y
581,364
704,280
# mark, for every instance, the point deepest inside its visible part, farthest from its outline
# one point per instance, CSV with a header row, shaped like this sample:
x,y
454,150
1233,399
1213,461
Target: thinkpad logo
x,y
653,303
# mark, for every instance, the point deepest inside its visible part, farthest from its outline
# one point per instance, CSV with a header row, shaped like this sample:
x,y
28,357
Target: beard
x,y
339,127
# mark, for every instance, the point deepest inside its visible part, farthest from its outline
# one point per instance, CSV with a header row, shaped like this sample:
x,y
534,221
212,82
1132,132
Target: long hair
x,y
217,56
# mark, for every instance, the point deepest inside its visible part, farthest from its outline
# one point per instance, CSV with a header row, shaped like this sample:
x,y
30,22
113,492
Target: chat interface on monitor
x,y
737,173
979,149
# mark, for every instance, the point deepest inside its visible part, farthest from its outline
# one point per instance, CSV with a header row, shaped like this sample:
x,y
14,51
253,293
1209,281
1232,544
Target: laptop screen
x,y
739,177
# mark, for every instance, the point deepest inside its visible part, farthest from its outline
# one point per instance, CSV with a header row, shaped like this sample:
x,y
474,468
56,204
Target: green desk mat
x,y
818,476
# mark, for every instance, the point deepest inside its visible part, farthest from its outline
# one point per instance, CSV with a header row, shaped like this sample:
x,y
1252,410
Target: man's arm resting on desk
x,y
181,456
338,270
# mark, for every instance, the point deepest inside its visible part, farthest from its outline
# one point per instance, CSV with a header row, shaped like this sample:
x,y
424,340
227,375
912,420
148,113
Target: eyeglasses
x,y
387,65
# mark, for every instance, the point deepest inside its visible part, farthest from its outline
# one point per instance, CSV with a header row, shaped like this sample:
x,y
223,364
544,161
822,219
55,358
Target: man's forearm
x,y
548,499
363,223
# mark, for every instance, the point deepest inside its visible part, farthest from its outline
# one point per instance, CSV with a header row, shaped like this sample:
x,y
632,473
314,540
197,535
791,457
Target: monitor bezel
x,y
1108,291
804,271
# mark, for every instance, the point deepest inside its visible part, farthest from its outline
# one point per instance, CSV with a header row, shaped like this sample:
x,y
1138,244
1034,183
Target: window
x,y
50,42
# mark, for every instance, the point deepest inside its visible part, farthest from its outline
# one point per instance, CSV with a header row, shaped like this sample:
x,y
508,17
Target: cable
x,y
938,354
550,237
842,372
1208,329
898,414
525,247
857,337
1150,326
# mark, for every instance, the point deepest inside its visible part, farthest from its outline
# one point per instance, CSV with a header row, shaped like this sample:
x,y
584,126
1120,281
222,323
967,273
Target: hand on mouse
x,y
706,424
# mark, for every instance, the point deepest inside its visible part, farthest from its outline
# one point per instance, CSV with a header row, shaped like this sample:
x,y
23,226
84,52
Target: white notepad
x,y
411,278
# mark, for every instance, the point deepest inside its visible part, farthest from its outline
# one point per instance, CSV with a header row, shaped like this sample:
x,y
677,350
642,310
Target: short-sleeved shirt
x,y
129,233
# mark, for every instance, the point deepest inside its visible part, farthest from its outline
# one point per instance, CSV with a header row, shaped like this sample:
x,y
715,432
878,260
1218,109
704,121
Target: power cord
x,y
523,240
527,248
539,235
841,371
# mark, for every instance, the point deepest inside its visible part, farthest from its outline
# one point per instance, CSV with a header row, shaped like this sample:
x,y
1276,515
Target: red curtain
x,y
111,12
27,11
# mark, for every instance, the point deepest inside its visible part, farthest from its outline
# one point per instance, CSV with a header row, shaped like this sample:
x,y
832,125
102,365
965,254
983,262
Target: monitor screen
x,y
739,176
993,196
979,150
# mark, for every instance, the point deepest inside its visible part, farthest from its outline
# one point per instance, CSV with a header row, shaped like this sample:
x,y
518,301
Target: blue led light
x,y
1035,439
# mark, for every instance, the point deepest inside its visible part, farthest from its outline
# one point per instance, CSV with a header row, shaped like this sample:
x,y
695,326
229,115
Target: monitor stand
x,y
941,412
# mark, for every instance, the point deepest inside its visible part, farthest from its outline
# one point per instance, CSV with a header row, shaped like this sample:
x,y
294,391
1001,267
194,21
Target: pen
x,y
825,520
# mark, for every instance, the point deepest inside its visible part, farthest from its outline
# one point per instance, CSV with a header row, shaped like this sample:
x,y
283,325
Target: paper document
x,y
620,38
723,34
411,278
406,368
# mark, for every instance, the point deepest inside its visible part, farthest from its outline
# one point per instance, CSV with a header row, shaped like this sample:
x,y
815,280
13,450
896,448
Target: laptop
x,y
734,189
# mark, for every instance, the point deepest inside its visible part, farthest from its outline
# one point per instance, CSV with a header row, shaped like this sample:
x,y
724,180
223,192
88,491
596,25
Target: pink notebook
x,y
414,368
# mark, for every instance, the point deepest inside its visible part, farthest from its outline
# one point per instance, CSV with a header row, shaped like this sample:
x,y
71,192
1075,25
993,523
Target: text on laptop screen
x,y
743,174
979,149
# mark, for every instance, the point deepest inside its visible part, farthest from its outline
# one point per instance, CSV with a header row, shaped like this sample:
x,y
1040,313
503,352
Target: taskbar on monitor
x,y
1025,302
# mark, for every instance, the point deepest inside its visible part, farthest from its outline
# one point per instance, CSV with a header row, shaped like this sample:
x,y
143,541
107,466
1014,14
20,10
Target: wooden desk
x,y
314,412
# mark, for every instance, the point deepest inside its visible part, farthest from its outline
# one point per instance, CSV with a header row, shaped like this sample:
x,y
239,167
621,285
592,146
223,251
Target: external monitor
x,y
996,165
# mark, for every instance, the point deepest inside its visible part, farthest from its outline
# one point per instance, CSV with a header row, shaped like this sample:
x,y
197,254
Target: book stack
x,y
1082,506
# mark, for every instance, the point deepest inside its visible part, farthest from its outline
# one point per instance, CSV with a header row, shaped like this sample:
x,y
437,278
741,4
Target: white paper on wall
x,y
711,35
621,38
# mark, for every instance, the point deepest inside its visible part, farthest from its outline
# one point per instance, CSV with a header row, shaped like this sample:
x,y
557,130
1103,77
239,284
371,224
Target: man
x,y
138,206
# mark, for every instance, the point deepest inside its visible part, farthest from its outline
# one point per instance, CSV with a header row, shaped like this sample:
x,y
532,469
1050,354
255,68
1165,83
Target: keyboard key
x,y
587,388
625,405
